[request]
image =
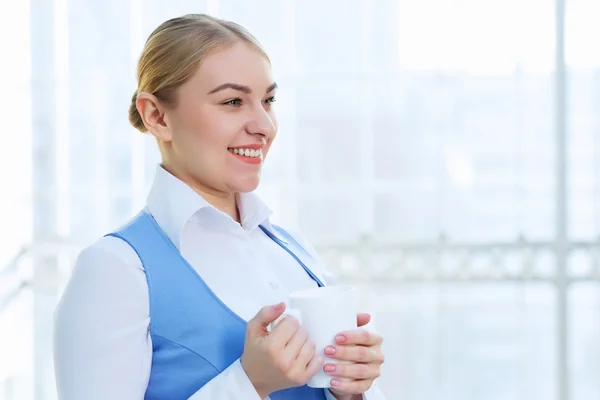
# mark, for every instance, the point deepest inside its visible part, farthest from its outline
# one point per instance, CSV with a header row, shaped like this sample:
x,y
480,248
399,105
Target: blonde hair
x,y
174,51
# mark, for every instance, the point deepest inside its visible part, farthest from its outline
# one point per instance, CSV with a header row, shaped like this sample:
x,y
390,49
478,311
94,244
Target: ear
x,y
153,115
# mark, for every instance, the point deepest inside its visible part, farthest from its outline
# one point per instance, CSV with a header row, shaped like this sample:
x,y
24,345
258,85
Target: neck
x,y
222,201
226,204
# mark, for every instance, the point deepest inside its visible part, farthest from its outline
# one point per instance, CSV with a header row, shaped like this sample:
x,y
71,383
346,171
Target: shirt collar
x,y
173,204
253,211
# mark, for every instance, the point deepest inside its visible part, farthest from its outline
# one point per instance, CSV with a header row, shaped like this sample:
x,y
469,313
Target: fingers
x,y
353,371
359,337
306,353
315,365
295,345
284,332
266,315
306,364
359,354
354,387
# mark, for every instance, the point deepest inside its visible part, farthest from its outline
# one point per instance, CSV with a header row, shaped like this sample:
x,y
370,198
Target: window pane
x,y
584,330
583,146
493,342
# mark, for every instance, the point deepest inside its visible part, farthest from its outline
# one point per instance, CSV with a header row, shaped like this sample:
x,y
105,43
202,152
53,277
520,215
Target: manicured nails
x,y
329,368
340,338
330,350
335,383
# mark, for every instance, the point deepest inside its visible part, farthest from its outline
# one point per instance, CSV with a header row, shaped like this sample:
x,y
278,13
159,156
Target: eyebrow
x,y
239,88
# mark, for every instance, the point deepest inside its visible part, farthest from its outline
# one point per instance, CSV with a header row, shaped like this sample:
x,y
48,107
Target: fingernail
x,y
329,368
330,350
335,383
340,338
277,306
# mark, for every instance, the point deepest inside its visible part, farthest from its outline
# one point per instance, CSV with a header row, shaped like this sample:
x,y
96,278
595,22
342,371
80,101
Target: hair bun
x,y
134,115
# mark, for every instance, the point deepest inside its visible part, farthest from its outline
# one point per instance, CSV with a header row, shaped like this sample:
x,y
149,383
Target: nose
x,y
261,123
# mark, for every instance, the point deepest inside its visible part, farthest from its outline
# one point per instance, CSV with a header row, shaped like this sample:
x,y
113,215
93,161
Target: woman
x,y
176,304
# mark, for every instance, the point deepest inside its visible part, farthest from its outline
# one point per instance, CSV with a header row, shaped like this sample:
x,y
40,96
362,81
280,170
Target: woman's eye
x,y
234,102
271,100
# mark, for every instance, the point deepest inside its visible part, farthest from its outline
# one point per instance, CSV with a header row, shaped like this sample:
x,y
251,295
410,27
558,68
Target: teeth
x,y
247,152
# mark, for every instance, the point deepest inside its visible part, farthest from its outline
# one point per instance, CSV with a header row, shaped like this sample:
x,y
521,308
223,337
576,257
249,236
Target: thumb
x,y
264,317
363,319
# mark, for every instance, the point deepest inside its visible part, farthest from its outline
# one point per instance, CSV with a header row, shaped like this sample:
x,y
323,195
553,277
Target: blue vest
x,y
195,336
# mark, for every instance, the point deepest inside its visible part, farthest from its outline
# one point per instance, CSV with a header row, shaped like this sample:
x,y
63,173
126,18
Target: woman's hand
x,y
363,349
280,359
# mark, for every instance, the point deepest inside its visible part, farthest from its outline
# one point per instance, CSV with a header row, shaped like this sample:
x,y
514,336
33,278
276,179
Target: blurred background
x,y
443,155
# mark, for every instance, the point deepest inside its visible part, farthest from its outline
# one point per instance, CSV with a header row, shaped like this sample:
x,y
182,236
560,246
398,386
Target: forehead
x,y
239,64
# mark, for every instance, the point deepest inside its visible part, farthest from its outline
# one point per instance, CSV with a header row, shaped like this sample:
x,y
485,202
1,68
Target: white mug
x,y
323,312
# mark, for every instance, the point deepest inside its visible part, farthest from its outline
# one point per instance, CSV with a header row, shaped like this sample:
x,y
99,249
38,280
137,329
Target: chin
x,y
246,185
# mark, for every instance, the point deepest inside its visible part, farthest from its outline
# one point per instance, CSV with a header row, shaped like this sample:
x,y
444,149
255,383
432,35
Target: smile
x,y
251,153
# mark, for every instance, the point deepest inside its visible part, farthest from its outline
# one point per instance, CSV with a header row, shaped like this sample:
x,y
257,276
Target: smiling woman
x,y
176,303
205,87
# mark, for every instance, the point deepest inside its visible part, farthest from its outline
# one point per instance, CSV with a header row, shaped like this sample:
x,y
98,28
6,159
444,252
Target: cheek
x,y
206,131
218,126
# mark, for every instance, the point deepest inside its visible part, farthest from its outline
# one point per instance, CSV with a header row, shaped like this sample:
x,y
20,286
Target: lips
x,y
247,152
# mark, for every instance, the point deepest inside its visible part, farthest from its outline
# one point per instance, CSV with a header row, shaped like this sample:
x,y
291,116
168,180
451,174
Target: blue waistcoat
x,y
195,336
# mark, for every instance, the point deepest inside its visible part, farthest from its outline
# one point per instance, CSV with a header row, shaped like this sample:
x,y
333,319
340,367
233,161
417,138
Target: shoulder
x,y
106,287
111,250
106,266
102,267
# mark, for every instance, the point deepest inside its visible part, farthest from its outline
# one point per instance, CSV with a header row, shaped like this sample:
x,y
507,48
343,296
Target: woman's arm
x,y
102,346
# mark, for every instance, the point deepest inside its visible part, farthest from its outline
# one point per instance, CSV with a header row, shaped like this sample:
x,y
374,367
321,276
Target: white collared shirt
x,y
103,348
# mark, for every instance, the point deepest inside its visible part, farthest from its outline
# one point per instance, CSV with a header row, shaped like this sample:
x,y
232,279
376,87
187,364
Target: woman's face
x,y
223,124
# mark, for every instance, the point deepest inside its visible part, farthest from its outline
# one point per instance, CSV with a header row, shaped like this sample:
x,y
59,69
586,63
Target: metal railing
x,y
370,260
445,261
